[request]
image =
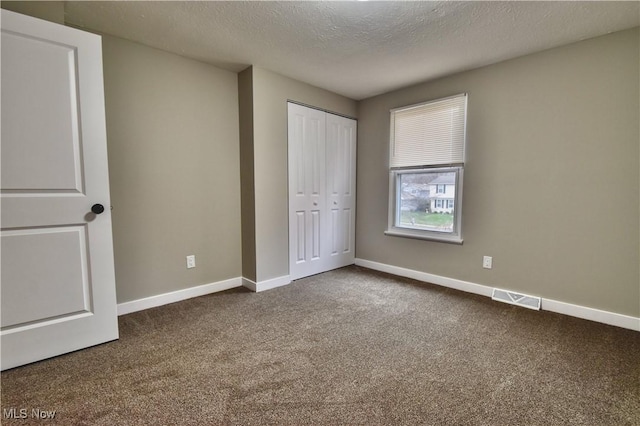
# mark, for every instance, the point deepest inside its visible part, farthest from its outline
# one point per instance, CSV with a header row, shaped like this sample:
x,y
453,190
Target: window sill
x,y
422,235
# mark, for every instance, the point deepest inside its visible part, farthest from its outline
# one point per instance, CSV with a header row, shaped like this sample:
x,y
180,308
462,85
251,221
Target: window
x,y
426,164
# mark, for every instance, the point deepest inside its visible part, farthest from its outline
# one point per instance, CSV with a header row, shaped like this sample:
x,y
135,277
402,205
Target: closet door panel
x,y
341,173
307,191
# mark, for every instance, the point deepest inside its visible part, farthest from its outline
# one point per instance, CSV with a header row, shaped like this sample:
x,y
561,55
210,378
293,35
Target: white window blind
x,y
429,134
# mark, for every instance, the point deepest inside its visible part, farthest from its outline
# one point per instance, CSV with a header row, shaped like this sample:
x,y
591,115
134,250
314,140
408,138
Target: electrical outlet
x,y
487,262
191,261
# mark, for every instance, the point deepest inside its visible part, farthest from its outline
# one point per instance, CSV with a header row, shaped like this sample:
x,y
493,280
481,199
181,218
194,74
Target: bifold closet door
x,y
307,192
322,153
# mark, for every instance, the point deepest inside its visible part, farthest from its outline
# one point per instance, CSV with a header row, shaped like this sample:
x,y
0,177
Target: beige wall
x,y
551,186
48,10
172,129
270,94
247,187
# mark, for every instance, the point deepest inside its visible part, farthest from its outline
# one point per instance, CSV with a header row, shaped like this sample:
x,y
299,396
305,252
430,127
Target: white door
x,y
58,284
322,153
341,189
307,193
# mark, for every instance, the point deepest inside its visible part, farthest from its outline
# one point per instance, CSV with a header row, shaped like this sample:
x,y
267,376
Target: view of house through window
x,y
427,200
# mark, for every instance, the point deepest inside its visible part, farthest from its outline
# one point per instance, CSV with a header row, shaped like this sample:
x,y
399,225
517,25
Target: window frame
x,y
396,170
393,226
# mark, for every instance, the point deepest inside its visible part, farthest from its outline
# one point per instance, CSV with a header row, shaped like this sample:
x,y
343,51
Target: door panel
x,y
347,234
56,167
316,235
58,282
307,175
51,266
322,186
341,142
335,231
333,157
299,235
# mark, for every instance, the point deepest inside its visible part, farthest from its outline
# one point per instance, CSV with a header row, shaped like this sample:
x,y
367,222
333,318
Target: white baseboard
x,y
267,284
177,296
247,283
592,314
605,317
467,286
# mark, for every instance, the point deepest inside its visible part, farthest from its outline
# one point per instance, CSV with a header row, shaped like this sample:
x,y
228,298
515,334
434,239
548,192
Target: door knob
x,y
97,208
315,203
335,203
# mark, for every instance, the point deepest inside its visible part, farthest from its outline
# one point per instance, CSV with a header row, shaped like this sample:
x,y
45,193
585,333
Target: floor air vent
x,y
513,298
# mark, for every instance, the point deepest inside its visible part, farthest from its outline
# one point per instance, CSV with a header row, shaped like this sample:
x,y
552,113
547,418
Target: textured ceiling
x,y
358,49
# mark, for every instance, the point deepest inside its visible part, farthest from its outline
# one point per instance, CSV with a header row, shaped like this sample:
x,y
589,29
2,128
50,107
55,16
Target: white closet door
x,y
58,284
307,193
322,153
341,189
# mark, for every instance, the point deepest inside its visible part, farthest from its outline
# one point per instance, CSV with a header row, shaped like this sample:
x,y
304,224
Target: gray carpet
x,y
351,346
